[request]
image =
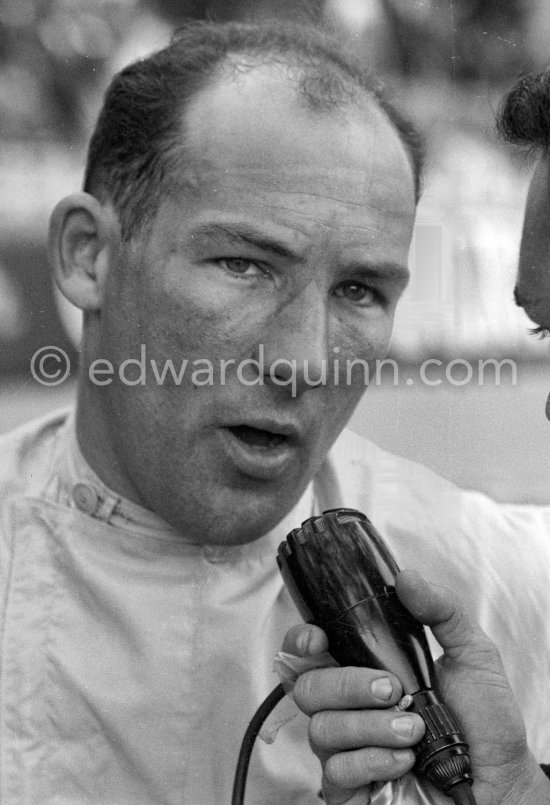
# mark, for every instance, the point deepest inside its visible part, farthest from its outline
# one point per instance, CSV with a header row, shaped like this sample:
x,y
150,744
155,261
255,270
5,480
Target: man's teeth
x,y
256,437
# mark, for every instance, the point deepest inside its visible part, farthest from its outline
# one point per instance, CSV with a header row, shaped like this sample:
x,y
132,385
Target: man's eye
x,y
540,332
240,265
358,293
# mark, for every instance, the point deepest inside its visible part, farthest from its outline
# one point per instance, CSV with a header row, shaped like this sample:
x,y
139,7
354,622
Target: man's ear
x,y
83,241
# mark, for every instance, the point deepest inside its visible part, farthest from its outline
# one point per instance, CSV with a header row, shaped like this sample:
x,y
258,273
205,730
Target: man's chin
x,y
246,516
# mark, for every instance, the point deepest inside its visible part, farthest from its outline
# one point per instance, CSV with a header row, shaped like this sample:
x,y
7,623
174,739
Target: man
x,y
525,120
471,673
248,210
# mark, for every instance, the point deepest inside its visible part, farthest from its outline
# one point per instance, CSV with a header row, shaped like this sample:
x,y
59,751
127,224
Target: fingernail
x,y
403,726
402,755
382,688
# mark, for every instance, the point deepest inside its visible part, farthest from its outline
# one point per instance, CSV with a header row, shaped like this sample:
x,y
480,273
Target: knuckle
x,y
304,692
320,729
348,684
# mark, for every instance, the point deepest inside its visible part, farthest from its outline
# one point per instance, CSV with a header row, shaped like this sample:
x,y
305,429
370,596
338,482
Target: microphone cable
x,y
241,772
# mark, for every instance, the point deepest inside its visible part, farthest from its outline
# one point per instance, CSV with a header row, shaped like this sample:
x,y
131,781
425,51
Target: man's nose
x,y
295,345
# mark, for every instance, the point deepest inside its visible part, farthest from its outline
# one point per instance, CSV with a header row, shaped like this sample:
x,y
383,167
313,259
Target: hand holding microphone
x,y
472,681
366,615
354,733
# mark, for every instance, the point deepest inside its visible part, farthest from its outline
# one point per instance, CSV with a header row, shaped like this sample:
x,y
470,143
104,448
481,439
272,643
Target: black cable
x,y
239,783
462,794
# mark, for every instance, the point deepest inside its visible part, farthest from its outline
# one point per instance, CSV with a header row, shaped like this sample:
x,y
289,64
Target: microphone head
x,y
341,576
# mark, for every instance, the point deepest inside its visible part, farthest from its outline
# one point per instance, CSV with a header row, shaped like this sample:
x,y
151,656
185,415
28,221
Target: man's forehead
x,y
538,199
536,224
249,134
263,104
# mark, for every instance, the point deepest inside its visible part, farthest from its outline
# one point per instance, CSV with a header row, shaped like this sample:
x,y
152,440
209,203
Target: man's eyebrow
x,y
389,272
242,235
245,235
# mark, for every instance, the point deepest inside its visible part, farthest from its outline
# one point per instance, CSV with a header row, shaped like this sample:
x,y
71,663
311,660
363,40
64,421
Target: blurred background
x,y
447,63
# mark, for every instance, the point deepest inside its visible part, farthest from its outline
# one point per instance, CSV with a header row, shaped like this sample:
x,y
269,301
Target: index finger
x,y
345,689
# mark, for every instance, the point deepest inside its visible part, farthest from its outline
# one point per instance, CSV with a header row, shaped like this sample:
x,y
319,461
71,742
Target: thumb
x,y
441,609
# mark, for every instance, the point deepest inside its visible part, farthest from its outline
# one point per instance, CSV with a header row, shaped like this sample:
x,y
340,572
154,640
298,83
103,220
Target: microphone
x,y
341,576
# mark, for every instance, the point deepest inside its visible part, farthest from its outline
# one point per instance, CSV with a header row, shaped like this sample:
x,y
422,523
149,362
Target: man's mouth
x,y
258,437
261,452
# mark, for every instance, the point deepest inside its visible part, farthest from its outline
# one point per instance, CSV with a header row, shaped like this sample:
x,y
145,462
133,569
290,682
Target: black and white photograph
x,y
274,402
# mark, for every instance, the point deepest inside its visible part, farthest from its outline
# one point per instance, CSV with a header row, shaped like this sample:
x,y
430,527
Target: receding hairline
x,y
360,100
138,141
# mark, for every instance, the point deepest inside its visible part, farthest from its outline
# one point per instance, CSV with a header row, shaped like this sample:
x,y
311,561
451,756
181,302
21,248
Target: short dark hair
x,y
523,117
138,136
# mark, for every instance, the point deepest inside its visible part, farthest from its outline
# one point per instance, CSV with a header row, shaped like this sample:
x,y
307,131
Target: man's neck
x,y
96,444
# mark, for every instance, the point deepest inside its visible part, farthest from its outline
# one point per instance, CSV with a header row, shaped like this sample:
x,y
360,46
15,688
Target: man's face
x,y
290,245
532,291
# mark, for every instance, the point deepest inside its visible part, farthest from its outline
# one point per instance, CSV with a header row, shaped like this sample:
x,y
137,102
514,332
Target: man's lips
x,y
271,426
263,449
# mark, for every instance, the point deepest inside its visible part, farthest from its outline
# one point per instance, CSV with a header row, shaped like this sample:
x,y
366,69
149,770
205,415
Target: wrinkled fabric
x,y
406,790
131,660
